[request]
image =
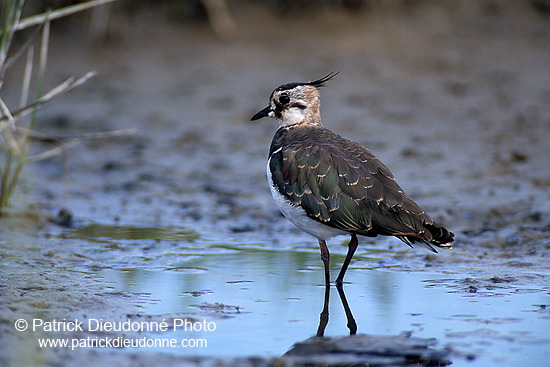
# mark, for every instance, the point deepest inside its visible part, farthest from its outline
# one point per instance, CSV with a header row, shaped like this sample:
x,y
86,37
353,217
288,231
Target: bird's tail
x,y
436,236
441,236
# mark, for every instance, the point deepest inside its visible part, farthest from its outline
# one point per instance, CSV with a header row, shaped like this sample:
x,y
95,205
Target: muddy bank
x,y
454,100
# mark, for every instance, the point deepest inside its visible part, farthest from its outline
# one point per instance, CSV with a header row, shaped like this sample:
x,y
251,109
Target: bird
x,y
328,186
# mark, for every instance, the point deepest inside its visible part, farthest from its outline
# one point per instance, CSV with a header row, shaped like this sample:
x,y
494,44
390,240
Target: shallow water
x,y
264,297
273,299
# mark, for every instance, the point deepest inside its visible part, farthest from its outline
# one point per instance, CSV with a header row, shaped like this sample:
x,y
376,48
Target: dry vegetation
x,y
17,123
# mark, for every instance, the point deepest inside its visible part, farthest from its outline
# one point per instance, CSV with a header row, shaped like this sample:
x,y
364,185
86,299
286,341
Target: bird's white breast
x,y
297,215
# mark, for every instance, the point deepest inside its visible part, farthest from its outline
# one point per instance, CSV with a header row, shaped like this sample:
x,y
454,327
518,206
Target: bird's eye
x,y
284,99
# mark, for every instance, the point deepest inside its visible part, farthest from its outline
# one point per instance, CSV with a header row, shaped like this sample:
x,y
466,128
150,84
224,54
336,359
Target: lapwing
x,y
328,185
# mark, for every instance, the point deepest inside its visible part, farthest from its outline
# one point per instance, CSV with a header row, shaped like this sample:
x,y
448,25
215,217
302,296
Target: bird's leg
x,y
325,256
352,325
323,317
352,246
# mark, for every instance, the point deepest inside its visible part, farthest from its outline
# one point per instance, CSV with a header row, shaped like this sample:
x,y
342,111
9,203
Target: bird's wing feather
x,y
342,184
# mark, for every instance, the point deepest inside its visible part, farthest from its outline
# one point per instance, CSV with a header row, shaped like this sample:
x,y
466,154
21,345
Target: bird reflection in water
x,y
324,317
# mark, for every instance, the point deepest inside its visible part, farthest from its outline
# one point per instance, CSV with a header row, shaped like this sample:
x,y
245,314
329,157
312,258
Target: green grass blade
x,y
59,13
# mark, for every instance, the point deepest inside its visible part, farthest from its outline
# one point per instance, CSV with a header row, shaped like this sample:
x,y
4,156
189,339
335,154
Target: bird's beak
x,y
261,114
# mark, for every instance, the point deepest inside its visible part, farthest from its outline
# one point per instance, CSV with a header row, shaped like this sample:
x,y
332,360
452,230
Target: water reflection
x,y
128,232
324,317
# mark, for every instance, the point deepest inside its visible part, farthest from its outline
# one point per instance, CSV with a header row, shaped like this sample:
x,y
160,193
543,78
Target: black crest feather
x,y
321,82
315,83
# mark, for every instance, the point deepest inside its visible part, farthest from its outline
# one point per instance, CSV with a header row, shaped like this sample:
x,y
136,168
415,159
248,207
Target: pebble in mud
x,y
369,350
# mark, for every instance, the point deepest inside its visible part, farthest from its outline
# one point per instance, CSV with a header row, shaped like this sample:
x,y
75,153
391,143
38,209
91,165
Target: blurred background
x,y
457,91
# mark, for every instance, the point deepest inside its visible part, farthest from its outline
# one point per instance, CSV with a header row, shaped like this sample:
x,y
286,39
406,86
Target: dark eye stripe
x,y
299,105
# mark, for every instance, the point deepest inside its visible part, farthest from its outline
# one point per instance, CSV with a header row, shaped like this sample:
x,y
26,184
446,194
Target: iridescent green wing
x,y
342,184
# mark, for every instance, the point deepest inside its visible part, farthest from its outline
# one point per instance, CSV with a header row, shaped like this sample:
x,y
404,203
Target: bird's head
x,y
295,103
